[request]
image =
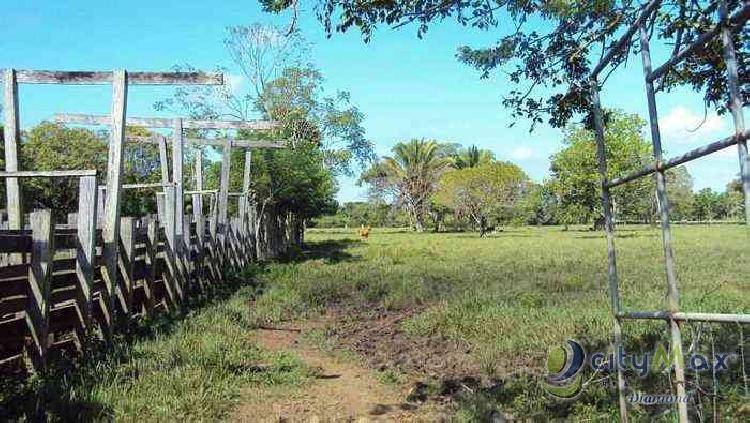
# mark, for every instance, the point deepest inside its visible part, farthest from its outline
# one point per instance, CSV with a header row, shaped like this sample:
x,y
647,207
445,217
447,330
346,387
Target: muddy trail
x,y
343,390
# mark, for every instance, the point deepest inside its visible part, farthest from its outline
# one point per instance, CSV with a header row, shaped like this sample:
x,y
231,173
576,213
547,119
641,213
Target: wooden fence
x,y
56,296
62,283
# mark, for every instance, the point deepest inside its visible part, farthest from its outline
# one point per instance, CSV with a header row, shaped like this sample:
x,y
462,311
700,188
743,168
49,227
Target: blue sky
x,y
406,87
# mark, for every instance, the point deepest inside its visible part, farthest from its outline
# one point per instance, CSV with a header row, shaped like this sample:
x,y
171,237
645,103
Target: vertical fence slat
x,y
179,201
127,258
40,276
152,243
223,224
200,223
86,248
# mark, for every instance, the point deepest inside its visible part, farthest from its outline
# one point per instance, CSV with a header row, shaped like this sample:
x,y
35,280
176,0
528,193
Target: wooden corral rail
x,y
59,283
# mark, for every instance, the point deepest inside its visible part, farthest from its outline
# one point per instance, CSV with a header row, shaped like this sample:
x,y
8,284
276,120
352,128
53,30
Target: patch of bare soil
x,y
378,337
439,369
343,390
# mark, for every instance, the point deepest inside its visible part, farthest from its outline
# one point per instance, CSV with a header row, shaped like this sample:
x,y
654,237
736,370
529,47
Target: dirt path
x,y
343,390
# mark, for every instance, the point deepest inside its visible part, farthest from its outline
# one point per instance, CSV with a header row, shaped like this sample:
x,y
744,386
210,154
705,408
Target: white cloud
x,y
522,153
683,126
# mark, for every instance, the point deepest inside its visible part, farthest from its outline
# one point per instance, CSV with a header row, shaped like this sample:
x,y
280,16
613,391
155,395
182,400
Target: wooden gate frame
x,y
120,80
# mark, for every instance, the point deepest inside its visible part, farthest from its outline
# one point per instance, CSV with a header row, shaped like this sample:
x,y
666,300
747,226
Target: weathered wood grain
x,y
106,77
102,120
111,230
86,251
47,173
12,133
40,274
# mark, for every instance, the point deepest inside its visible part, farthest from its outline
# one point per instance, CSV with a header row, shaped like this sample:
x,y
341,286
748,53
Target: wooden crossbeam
x,y
47,173
211,142
102,120
106,77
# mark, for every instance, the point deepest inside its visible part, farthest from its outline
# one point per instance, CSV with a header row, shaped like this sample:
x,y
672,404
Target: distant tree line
x,y
444,186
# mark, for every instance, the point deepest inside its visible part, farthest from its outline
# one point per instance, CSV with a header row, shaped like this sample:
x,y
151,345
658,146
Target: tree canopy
x,y
548,48
485,193
410,176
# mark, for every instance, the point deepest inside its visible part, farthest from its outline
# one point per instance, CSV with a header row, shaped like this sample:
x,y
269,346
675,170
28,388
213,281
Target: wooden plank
x,y
236,143
125,263
15,243
178,162
223,223
171,269
142,186
245,208
86,252
152,270
40,275
216,142
12,272
164,161
12,133
47,173
200,228
213,241
111,230
102,120
106,77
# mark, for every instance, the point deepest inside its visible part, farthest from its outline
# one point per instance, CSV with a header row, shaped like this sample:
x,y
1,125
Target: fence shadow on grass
x,y
331,251
50,396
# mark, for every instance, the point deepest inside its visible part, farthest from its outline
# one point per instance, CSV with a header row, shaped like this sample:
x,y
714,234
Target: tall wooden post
x,y
200,227
12,138
245,209
223,224
111,229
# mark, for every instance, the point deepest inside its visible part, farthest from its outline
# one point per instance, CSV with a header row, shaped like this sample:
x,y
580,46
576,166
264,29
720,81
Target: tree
x,y
324,134
491,191
680,191
51,146
575,174
410,175
550,47
473,157
707,204
733,200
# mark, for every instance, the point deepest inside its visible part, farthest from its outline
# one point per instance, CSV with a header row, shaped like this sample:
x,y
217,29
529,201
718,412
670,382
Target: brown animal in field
x,y
364,232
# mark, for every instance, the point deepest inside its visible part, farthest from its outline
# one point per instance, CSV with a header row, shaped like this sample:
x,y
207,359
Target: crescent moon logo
x,y
564,365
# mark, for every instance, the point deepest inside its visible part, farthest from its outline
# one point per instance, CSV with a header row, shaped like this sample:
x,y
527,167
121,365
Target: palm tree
x,y
473,157
411,175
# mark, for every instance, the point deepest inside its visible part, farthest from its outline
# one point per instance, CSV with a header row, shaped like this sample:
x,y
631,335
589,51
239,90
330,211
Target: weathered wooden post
x,y
40,277
86,248
223,224
12,132
200,227
127,258
152,244
112,205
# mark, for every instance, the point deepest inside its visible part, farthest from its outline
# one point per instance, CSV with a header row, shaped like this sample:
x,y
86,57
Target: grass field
x,y
502,301
511,296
